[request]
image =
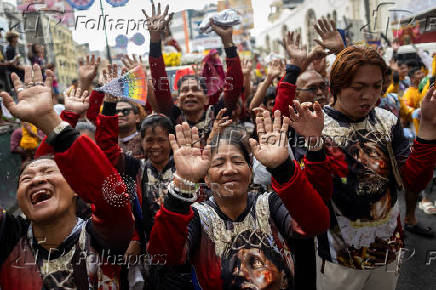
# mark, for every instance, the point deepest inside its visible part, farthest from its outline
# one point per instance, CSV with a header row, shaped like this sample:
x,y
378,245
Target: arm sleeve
x,y
46,149
172,224
318,173
234,79
106,137
415,164
310,215
95,101
92,177
160,80
286,90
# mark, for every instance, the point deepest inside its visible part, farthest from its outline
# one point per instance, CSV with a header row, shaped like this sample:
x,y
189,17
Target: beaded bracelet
x,y
171,190
185,181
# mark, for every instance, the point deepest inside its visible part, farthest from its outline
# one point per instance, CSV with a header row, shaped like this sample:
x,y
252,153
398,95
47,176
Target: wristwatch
x,y
56,131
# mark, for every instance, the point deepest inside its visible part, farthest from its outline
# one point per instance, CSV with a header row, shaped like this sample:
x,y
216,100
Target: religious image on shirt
x,y
252,261
365,203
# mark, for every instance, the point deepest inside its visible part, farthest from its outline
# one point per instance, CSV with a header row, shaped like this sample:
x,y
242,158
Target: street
x,y
414,273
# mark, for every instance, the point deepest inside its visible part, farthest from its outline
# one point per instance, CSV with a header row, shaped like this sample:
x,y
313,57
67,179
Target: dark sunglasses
x,y
125,111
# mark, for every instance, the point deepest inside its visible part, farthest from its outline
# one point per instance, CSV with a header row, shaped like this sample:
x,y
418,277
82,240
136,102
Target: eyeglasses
x,y
313,89
125,112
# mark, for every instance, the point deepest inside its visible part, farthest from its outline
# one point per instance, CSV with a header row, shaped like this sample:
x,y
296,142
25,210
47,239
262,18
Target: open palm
x,y
33,101
158,21
76,101
271,150
88,69
331,38
308,121
190,162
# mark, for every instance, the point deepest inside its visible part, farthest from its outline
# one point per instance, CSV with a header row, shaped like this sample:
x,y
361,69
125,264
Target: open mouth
x,y
40,196
365,107
155,153
190,102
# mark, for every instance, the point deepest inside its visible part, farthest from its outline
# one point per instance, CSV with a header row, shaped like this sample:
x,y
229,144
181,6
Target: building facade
x,y
363,19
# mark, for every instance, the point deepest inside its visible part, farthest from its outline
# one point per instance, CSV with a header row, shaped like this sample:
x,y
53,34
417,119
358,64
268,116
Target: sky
x,y
86,28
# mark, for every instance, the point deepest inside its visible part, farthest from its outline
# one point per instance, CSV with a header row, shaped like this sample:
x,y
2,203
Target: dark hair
x,y
154,121
413,70
235,135
271,93
251,239
201,81
132,105
85,126
348,62
74,81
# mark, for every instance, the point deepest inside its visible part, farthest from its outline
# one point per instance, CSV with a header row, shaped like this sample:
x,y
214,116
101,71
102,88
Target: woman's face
x,y
229,175
157,145
357,100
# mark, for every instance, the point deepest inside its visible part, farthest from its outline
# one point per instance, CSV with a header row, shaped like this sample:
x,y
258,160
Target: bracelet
x,y
187,191
318,146
186,199
185,181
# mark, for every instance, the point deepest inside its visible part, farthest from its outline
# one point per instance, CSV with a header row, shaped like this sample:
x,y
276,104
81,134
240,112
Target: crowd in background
x,y
277,174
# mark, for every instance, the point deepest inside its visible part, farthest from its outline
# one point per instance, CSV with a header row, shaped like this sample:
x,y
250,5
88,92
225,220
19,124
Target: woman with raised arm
x,y
52,248
237,239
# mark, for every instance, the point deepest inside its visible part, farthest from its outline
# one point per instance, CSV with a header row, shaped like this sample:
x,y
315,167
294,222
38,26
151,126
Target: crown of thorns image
x,y
118,193
252,239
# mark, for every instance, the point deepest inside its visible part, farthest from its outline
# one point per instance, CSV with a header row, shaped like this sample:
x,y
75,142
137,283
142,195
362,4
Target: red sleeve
x,y
284,98
95,101
106,137
91,176
303,202
418,169
233,83
170,224
161,85
319,175
44,148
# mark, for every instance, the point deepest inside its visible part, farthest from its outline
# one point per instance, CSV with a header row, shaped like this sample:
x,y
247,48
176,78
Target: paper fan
x,y
131,85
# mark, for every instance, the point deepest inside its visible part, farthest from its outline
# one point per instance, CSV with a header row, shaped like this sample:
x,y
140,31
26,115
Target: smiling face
x,y
192,97
157,145
43,193
127,118
357,100
229,174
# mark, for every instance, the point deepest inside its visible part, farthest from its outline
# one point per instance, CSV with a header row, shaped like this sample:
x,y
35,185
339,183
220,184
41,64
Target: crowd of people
x,y
289,180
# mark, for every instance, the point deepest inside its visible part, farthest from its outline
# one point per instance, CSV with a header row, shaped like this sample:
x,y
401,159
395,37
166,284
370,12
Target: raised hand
x,y
131,63
35,103
190,162
158,21
247,66
226,33
88,71
331,38
297,54
219,124
107,75
307,123
427,128
275,69
76,101
271,150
